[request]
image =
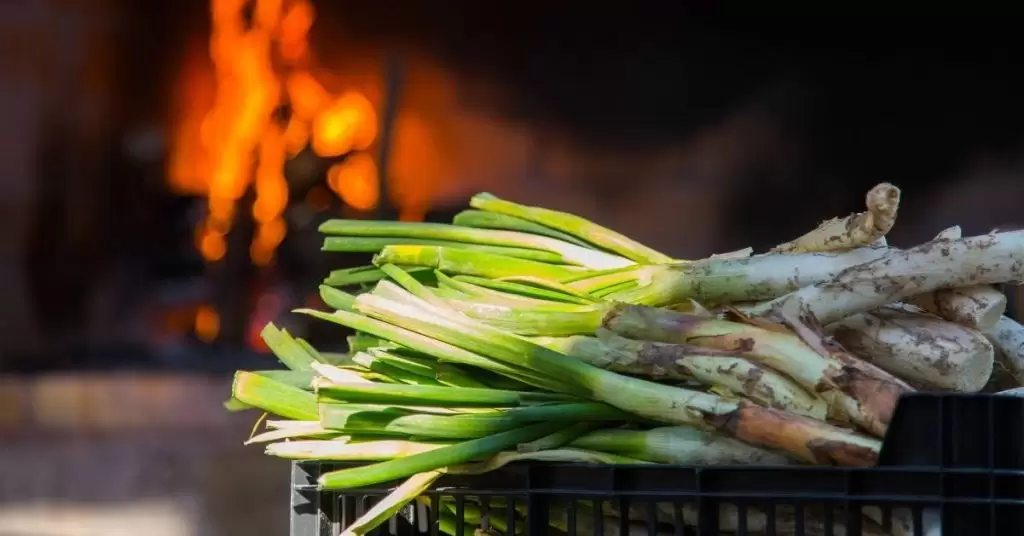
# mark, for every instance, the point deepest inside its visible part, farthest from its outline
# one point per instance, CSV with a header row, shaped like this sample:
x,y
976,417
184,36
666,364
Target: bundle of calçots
x,y
522,333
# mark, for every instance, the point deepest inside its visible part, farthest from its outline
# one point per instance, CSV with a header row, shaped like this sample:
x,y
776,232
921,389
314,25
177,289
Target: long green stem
x,y
430,346
368,244
336,299
468,262
554,320
493,220
303,379
678,445
486,237
561,438
362,275
420,366
434,459
400,375
294,355
445,373
422,395
274,397
549,293
573,225
398,421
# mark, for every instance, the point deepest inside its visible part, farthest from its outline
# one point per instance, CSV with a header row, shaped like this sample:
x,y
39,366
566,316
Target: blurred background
x,y
164,167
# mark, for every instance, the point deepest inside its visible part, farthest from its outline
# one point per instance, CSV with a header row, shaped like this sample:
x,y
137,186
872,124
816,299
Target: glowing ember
x,y
230,140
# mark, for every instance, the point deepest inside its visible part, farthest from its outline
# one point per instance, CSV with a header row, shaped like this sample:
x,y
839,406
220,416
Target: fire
x,y
235,138
355,181
207,323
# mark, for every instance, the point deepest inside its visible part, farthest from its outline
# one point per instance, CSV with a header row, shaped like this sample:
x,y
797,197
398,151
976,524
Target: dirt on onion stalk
x,y
855,390
925,350
855,230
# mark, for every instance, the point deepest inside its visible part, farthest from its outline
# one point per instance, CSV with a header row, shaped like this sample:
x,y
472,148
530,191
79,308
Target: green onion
x,y
444,373
300,429
274,397
646,399
361,342
303,379
419,366
362,244
336,299
512,292
468,262
677,445
560,438
293,354
423,395
554,320
572,253
345,451
427,461
573,225
519,289
401,376
430,346
362,275
402,421
453,376
340,374
493,220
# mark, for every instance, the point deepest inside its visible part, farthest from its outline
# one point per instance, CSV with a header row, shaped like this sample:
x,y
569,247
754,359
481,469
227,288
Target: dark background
x,y
920,102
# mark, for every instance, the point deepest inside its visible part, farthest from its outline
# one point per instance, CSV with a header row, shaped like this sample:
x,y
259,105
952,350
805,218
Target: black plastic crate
x,y
951,464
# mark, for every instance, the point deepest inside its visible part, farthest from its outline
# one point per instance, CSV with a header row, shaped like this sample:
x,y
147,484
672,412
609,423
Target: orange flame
x,y
355,181
207,323
227,140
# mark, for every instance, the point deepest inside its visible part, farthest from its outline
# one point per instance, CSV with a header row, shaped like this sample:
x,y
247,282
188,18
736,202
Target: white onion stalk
x,y
925,350
728,280
855,230
855,390
678,445
1008,338
899,274
738,254
977,307
713,367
